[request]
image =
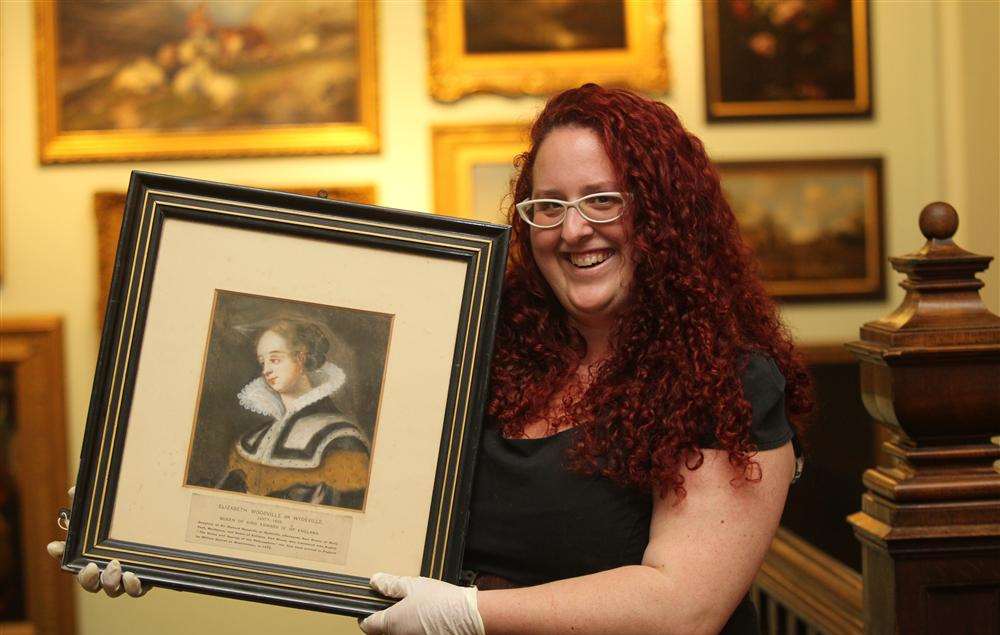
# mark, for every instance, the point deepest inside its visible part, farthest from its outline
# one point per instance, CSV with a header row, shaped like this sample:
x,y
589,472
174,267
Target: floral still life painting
x,y
786,58
179,67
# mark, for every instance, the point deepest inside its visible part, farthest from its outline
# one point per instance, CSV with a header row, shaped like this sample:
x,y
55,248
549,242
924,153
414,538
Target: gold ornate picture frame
x,y
473,165
537,48
185,81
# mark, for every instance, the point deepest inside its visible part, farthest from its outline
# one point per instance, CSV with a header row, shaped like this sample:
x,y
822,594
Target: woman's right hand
x,y
112,579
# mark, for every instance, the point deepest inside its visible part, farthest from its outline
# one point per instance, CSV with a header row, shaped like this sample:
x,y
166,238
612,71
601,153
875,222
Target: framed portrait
x,y
288,394
814,225
536,47
177,79
473,168
109,210
786,59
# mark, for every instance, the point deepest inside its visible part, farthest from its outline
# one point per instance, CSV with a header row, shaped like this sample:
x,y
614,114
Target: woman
x,y
309,451
638,453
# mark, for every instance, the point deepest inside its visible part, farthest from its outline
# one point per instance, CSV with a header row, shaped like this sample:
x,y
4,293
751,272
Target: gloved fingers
x,y
375,624
90,578
133,585
111,579
56,549
393,586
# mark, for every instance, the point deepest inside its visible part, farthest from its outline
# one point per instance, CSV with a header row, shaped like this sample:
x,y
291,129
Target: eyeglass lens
x,y
605,207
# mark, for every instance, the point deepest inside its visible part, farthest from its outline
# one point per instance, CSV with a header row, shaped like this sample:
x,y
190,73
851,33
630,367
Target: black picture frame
x,y
476,250
785,61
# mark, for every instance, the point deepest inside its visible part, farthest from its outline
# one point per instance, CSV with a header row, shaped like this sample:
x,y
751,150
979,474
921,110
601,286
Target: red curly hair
x,y
677,352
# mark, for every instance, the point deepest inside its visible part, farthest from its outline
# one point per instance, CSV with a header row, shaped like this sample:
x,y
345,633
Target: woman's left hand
x,y
425,607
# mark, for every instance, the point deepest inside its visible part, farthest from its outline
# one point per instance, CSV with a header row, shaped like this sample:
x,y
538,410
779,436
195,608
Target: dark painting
x,y
289,400
501,26
789,49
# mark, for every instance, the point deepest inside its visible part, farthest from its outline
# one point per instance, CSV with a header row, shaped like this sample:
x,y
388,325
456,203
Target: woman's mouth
x,y
587,259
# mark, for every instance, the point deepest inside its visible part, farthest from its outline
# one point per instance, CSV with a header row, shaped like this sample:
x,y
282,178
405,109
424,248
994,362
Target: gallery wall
x,y
932,126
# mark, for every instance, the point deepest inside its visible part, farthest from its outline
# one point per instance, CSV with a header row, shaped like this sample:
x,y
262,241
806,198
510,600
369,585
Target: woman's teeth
x,y
590,258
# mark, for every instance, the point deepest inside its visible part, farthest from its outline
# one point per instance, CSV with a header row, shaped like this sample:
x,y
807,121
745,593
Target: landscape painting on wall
x,y
815,226
537,47
179,78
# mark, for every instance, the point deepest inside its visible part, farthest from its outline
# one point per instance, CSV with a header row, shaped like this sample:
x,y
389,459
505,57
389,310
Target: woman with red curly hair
x,y
639,449
644,398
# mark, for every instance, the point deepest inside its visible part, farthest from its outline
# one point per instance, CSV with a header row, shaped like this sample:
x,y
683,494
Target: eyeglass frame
x,y
567,205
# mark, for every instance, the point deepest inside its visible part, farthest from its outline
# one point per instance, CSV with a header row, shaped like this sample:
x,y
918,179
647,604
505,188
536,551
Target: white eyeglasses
x,y
544,213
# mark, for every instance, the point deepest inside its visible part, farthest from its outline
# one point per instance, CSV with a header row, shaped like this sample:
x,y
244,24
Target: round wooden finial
x,y
938,220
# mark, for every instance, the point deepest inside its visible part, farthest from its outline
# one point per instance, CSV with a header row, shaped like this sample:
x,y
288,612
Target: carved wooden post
x,y
929,523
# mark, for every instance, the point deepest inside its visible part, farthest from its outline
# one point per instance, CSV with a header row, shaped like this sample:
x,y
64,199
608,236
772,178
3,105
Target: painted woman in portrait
x,y
309,451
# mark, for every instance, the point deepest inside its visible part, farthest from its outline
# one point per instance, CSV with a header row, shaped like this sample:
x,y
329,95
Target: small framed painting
x,y
285,413
473,168
786,59
815,226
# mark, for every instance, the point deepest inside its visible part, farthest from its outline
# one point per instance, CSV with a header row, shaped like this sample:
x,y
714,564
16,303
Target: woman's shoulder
x,y
761,374
764,390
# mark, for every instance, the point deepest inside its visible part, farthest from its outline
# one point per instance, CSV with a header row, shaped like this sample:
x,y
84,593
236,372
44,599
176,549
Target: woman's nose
x,y
575,227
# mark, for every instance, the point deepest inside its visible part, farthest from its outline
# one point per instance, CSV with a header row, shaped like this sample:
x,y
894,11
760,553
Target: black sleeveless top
x,y
533,520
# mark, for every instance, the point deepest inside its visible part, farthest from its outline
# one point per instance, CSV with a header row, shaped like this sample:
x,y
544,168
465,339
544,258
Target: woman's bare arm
x,y
702,556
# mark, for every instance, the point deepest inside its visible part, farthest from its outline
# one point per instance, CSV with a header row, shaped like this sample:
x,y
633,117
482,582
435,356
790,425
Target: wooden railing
x,y
800,590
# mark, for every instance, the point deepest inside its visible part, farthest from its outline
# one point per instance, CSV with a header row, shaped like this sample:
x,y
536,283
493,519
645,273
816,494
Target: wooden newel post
x,y
929,523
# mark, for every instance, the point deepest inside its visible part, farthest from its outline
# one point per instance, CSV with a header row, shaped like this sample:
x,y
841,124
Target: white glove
x,y
426,607
91,578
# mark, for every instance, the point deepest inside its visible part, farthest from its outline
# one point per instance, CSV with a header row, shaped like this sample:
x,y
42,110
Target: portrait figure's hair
x,y
696,309
303,338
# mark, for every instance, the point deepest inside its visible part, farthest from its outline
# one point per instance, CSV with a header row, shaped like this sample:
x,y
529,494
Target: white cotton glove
x,y
91,578
426,607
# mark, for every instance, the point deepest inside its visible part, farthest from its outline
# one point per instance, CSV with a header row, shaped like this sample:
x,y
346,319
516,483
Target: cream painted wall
x,y
49,260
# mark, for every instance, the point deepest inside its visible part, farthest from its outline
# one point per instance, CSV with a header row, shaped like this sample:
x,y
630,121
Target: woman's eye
x,y
602,201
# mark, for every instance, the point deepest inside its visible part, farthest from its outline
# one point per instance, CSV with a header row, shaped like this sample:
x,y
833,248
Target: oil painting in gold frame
x,y
174,79
816,226
109,207
786,59
473,167
537,47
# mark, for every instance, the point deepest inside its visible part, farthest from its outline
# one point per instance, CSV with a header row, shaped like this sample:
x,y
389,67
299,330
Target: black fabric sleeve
x,y
764,388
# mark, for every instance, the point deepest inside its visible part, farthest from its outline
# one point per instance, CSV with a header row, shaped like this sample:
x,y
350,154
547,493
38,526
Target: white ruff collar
x,y
258,397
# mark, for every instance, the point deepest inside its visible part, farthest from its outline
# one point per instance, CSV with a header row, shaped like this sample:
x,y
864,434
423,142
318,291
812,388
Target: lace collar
x,y
258,397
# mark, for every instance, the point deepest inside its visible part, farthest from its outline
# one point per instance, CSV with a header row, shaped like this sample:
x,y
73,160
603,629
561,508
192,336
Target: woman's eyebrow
x,y
592,188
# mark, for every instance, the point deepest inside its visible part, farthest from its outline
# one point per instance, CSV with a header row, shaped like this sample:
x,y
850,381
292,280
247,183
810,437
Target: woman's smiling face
x,y
281,368
587,265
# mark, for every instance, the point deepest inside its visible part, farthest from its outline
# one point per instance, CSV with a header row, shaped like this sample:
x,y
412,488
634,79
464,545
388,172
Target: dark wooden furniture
x,y
31,354
930,373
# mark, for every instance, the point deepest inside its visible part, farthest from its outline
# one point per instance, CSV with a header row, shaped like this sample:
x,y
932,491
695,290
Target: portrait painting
x,y
537,47
182,78
814,226
786,58
289,400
